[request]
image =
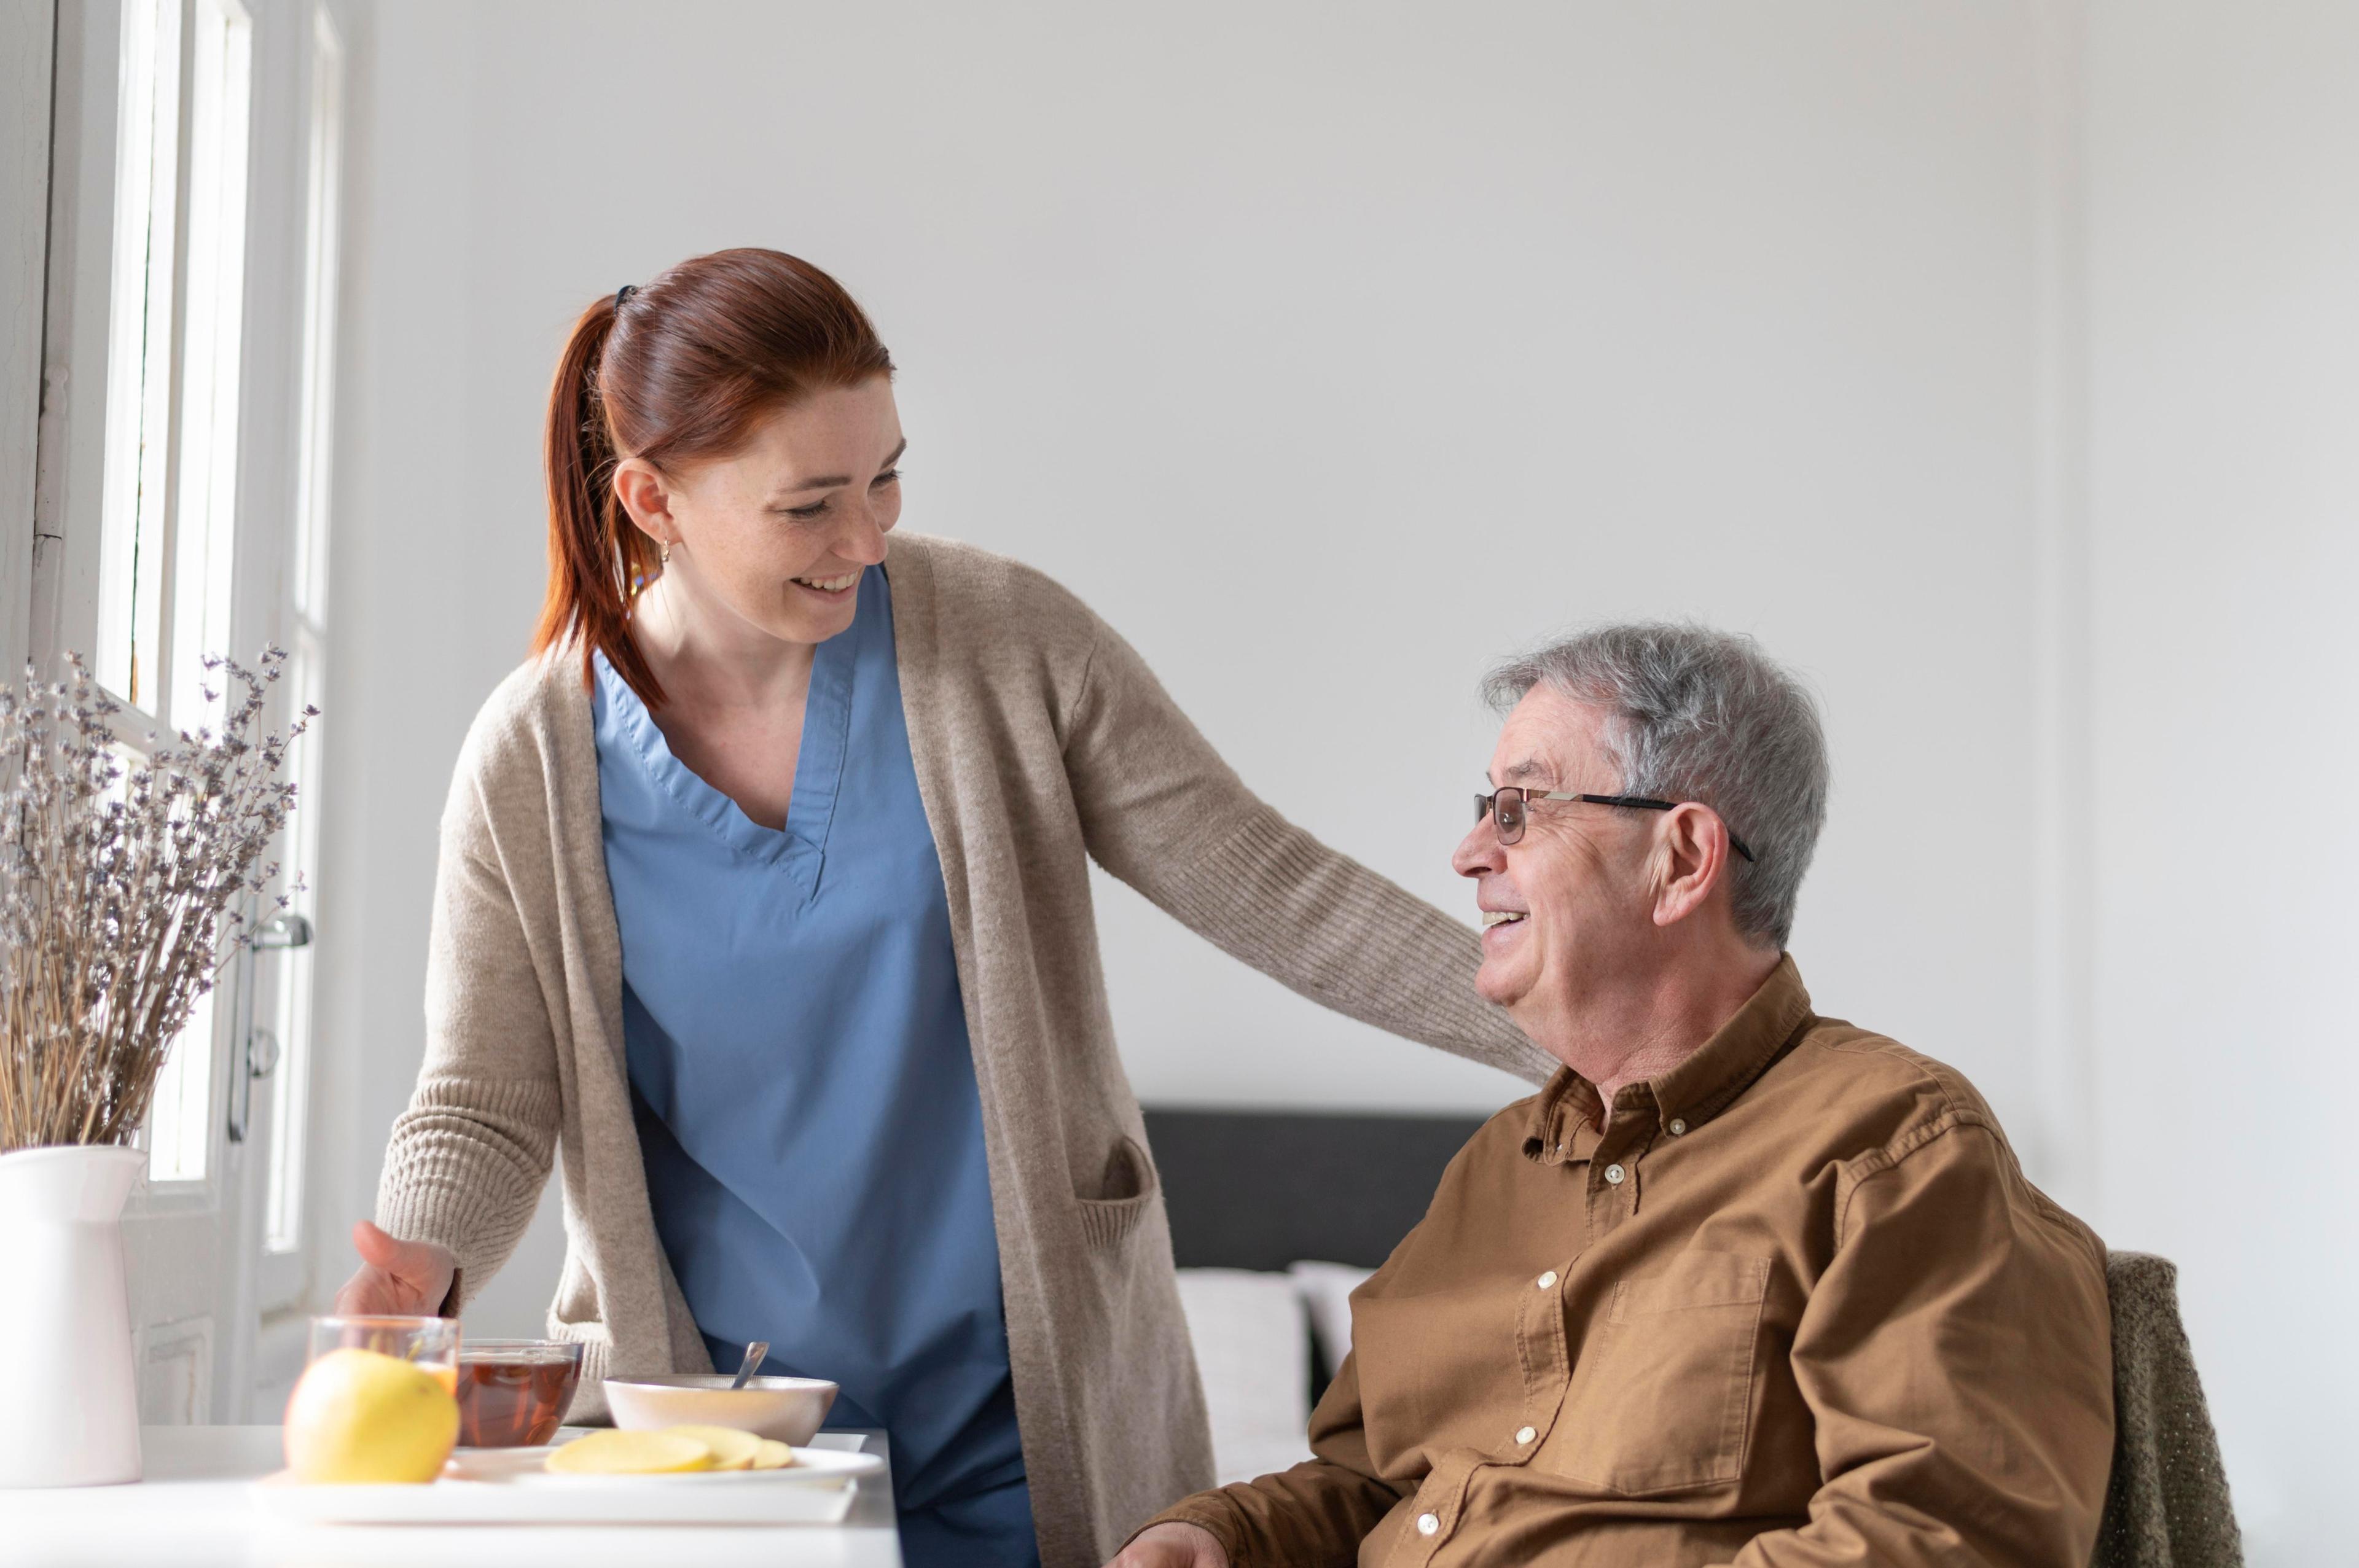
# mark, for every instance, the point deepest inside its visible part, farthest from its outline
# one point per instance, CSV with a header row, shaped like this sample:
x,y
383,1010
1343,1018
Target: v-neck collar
x,y
799,848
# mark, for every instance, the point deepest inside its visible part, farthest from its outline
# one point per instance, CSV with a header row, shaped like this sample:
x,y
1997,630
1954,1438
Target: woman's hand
x,y
396,1279
1173,1546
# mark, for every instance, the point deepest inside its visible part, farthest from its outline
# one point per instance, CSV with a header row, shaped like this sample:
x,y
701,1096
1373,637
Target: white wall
x,y
1331,353
2225,504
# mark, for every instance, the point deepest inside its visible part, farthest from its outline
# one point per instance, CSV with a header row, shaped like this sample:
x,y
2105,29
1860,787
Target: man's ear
x,y
640,486
1690,857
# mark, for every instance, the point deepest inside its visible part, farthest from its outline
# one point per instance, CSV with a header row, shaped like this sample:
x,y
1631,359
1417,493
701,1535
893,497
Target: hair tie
x,y
625,293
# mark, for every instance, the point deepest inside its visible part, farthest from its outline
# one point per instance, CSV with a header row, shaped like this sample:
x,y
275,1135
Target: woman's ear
x,y
1690,858
644,493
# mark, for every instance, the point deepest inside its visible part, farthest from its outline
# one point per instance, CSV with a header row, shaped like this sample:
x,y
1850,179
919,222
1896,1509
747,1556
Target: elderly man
x,y
1743,1284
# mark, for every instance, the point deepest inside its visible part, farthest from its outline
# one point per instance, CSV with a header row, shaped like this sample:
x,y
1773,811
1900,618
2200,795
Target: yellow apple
x,y
359,1417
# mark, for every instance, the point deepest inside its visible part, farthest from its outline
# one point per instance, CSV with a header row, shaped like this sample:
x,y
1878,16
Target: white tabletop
x,y
194,1511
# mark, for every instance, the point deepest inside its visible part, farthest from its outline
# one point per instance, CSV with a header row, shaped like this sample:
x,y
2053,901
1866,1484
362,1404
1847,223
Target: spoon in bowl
x,y
754,1355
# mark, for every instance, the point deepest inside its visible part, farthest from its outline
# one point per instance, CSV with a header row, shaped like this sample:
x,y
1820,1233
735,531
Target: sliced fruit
x,y
775,1455
632,1453
361,1417
732,1449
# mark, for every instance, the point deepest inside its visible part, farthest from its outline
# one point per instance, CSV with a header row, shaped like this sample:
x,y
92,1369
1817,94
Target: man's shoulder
x,y
1892,1104
1882,1082
1849,1097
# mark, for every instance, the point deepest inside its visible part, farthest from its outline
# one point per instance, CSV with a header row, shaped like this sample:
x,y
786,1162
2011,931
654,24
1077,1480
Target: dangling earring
x,y
667,552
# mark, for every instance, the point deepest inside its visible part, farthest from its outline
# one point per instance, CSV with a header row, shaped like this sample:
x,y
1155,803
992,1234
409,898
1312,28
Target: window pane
x,y
219,48
322,226
180,1124
139,353
167,571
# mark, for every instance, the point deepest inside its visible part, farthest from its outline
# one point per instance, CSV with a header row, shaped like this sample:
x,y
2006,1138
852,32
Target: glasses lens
x,y
1509,815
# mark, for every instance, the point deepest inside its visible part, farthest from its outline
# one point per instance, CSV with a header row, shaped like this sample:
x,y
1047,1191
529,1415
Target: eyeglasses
x,y
1505,808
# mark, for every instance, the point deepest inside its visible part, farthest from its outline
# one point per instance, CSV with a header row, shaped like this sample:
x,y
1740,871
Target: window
x,y
197,598
169,497
139,339
181,508
291,1089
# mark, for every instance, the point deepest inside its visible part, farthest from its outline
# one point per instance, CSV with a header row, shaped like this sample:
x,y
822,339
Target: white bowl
x,y
788,1409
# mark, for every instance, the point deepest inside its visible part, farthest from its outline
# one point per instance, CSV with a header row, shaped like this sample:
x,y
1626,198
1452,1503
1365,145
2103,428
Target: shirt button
x,y
1614,1174
1525,1433
1428,1524
1547,1282
1678,1127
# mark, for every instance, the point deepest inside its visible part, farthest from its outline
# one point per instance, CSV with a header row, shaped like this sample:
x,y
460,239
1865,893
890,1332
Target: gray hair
x,y
1694,714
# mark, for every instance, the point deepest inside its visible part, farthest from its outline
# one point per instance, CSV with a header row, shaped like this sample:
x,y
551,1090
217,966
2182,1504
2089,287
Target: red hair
x,y
678,368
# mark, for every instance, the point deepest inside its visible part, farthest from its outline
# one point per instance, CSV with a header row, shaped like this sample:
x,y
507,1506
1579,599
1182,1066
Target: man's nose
x,y
1479,851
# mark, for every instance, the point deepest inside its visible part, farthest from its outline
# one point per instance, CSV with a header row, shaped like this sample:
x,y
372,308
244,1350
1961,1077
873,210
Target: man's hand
x,y
1173,1546
396,1279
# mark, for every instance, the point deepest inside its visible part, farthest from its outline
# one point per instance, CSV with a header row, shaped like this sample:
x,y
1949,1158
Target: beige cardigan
x,y
1041,741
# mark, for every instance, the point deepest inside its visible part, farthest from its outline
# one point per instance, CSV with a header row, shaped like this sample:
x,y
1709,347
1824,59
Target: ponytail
x,y
598,559
704,351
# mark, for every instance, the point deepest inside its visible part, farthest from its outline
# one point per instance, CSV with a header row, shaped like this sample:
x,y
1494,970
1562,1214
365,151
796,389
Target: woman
x,y
764,889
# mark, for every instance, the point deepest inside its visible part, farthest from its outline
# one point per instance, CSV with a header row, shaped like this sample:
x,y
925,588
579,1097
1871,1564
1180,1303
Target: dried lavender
x,y
123,891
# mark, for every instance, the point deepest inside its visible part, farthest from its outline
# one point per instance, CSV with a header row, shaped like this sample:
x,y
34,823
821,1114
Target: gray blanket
x,y
2167,1505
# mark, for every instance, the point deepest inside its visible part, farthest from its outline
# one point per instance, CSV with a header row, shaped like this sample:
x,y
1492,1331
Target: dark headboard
x,y
1252,1189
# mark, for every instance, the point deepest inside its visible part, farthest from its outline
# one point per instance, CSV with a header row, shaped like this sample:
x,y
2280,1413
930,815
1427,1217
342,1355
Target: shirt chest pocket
x,y
1662,1388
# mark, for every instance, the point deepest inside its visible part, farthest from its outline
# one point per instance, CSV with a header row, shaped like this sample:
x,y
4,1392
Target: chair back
x,y
2167,1503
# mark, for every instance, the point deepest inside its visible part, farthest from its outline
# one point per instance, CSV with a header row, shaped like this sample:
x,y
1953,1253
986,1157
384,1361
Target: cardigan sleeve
x,y
468,1158
1161,810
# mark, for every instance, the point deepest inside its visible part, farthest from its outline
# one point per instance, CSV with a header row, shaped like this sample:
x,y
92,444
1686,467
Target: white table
x,y
193,1511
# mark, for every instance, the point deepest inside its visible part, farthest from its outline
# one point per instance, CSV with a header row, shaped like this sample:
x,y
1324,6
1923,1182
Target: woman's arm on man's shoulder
x,y
1163,812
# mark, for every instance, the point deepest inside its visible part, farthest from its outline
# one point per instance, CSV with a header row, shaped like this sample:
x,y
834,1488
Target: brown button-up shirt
x,y
1793,1303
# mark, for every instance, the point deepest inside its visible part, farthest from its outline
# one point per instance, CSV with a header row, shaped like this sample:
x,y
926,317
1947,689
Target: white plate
x,y
509,1485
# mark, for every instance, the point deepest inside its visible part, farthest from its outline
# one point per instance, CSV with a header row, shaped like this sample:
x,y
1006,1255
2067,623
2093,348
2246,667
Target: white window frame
x,y
28,45
286,1273
239,486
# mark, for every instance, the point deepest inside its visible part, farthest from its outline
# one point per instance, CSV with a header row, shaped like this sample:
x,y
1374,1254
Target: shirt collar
x,y
1698,1088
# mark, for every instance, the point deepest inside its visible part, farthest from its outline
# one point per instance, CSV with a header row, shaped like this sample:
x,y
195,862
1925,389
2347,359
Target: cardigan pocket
x,y
1128,1188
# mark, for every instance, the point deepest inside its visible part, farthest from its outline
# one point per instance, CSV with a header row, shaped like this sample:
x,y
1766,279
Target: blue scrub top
x,y
805,1094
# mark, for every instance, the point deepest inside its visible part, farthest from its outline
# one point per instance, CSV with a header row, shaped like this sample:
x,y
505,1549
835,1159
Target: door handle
x,y
282,931
259,1048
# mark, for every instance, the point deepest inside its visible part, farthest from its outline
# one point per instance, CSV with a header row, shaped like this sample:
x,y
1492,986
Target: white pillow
x,y
1327,1292
1253,1351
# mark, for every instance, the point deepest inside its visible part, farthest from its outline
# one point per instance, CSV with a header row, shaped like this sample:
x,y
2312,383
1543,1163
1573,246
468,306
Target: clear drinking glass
x,y
432,1342
513,1393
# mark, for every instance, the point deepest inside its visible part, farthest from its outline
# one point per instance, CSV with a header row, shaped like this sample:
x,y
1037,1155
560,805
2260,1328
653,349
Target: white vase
x,y
68,1410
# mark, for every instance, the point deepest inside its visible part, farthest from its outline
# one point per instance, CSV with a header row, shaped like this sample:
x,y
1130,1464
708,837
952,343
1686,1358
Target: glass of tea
x,y
432,1342
513,1393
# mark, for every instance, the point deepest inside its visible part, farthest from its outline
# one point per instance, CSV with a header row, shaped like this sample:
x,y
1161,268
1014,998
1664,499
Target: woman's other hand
x,y
1173,1546
396,1279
